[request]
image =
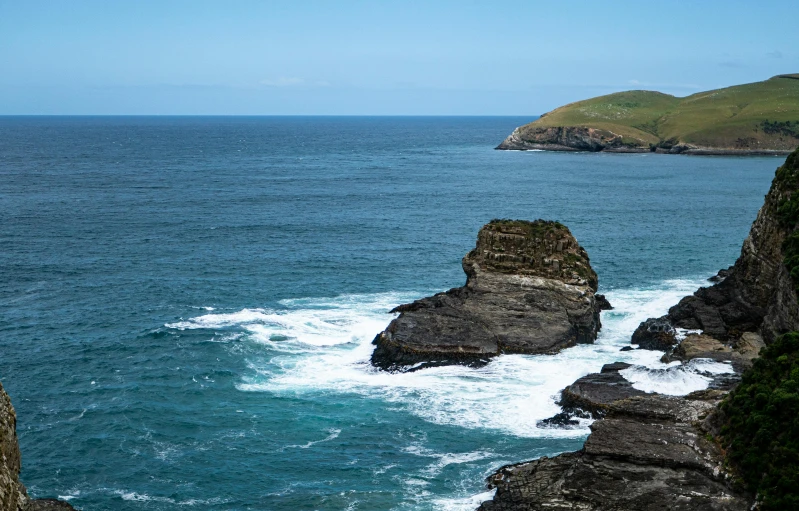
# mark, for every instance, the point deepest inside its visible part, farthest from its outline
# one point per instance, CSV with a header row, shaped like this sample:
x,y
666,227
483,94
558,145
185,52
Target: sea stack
x,y
529,288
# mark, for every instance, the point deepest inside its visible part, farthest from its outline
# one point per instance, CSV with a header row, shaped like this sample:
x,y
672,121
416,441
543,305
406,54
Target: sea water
x,y
187,304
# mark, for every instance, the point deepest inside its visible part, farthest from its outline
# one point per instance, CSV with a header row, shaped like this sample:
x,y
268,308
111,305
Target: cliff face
x,y
13,496
571,138
759,294
530,289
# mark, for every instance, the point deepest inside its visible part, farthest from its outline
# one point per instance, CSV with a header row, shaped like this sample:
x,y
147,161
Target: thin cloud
x,y
776,54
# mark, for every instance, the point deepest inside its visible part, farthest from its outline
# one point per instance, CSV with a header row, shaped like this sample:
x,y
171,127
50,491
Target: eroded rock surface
x,y
649,453
594,393
529,289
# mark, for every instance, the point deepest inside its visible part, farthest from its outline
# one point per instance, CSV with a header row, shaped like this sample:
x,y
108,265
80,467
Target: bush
x,y
762,425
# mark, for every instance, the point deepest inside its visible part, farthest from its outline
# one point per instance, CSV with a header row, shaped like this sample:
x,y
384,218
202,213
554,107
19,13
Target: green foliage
x,y
787,179
786,128
762,429
786,183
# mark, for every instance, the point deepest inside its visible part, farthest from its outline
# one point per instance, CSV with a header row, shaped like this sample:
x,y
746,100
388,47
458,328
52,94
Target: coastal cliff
x,y
759,118
730,447
758,294
13,495
530,288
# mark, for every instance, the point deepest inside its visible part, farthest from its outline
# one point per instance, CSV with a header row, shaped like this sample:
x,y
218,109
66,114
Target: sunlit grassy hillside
x,y
762,115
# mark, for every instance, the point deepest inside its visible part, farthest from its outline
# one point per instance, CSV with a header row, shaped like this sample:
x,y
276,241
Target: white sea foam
x,y
675,379
464,504
444,459
334,433
324,345
133,496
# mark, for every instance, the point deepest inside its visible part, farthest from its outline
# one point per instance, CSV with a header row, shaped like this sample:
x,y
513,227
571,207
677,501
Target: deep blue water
x,y
186,304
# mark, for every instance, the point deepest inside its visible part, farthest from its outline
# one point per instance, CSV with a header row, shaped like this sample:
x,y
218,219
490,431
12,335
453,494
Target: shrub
x,y
762,425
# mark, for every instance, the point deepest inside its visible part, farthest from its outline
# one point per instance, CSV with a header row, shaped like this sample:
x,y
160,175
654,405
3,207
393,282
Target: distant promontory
x,y
754,118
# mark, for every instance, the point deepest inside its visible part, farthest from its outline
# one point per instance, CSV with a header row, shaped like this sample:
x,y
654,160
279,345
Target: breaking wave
x,y
324,344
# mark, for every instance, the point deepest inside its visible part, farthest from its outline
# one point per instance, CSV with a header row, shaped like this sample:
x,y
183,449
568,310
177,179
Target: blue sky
x,y
377,58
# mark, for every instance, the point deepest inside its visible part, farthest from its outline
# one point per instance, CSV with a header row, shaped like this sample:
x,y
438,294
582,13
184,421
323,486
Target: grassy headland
x,y
759,117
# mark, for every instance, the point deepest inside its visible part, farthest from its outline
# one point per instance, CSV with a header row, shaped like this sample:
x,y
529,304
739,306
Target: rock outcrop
x,y
529,289
570,138
13,495
649,453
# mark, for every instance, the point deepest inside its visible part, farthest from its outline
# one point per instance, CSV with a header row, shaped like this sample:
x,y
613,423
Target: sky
x,y
240,57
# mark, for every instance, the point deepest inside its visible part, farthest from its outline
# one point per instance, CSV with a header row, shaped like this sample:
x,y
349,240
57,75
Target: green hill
x,y
753,118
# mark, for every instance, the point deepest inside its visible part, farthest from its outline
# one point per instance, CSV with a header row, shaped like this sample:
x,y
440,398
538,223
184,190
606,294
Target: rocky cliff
x,y
13,496
653,452
529,289
758,294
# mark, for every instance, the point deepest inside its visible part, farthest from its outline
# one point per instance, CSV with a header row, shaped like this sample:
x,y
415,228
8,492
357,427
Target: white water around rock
x,y
324,345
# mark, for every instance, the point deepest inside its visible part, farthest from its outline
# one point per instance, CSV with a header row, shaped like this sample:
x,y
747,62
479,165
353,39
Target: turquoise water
x,y
186,304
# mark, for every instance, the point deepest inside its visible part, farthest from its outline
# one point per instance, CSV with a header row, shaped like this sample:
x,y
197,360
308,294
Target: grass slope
x,y
761,115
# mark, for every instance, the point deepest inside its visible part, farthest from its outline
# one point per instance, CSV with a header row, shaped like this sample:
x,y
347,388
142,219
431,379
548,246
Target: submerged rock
x,y
530,288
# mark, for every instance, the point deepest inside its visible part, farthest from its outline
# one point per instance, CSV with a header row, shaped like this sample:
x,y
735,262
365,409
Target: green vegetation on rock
x,y
761,433
787,181
761,116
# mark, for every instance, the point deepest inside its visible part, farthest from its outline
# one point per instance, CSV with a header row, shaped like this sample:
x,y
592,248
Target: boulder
x,y
655,334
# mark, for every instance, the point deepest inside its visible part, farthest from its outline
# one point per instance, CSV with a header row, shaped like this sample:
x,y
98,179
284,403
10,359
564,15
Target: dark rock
x,y
655,334
563,419
49,505
646,455
603,303
569,138
721,275
595,392
529,289
627,348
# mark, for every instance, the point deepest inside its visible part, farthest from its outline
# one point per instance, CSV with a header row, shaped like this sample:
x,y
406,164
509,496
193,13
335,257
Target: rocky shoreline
x,y
649,451
586,139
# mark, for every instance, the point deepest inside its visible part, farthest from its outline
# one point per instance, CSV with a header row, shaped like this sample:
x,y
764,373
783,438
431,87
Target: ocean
x,y
187,303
